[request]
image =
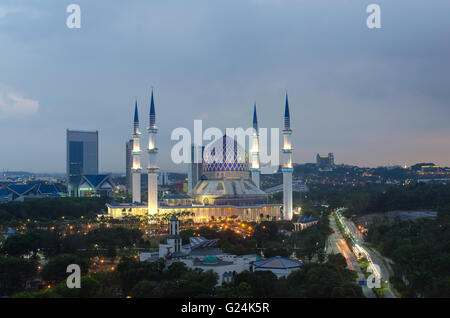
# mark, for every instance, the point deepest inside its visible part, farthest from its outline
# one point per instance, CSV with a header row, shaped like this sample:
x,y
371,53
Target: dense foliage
x,y
52,243
421,252
50,208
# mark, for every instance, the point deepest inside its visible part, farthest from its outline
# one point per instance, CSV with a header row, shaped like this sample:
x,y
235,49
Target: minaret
x,y
152,168
255,169
136,154
287,164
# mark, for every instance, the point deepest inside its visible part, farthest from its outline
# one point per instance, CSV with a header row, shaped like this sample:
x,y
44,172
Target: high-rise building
x,y
128,163
195,167
82,157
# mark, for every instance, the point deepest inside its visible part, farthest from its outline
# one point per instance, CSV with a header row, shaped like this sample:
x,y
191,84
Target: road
x,y
337,244
381,269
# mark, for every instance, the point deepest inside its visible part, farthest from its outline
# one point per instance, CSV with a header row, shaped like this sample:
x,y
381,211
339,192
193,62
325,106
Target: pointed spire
x,y
136,116
152,112
255,118
287,116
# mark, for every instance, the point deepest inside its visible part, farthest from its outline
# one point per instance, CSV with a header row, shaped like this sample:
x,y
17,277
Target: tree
x,y
55,270
14,272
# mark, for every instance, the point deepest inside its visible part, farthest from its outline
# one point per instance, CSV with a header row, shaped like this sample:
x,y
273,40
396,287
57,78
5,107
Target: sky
x,y
371,96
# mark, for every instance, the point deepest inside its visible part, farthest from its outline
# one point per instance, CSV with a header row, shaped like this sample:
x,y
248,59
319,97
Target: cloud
x,y
13,103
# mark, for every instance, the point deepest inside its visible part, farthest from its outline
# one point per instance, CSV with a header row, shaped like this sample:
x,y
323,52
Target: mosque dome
x,y
210,260
225,158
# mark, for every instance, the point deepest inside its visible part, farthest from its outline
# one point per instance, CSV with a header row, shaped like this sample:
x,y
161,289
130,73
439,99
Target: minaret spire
x,y
287,163
136,117
287,116
255,118
136,154
152,112
255,168
152,169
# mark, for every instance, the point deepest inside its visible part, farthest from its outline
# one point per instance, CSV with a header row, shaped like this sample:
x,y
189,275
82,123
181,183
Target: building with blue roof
x,y
5,196
96,185
278,265
303,222
9,233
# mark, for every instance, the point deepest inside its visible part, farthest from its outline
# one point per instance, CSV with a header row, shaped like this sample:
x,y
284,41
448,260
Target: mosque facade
x,y
228,188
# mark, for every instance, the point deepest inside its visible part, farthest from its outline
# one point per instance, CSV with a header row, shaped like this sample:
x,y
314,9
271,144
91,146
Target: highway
x,y
337,244
378,266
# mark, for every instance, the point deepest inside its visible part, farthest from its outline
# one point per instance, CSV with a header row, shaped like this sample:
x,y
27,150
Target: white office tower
x,y
287,164
136,154
255,169
152,168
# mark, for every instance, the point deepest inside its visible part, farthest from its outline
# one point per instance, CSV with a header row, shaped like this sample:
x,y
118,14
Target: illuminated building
x,y
96,185
227,188
303,222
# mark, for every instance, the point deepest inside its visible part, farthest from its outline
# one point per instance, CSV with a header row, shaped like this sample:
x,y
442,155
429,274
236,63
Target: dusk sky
x,y
372,96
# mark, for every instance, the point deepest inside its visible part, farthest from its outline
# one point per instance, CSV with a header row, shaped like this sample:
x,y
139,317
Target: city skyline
x,y
372,98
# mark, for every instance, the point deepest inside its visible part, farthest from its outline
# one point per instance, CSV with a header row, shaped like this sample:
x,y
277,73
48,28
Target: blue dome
x,y
225,155
210,260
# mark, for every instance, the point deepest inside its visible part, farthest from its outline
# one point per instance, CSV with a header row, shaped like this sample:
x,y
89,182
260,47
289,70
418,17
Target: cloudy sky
x,y
373,97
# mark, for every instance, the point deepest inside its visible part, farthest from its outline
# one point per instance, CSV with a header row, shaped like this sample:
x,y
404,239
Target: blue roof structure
x,y
305,219
10,232
95,179
4,192
277,262
50,189
21,189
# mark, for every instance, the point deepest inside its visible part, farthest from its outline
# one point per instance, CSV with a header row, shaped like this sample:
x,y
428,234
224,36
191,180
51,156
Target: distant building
x,y
5,196
128,163
163,178
96,185
9,233
430,169
82,157
278,265
195,167
303,222
325,163
22,192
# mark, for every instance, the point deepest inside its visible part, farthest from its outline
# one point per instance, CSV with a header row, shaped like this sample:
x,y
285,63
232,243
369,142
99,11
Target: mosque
x,y
228,188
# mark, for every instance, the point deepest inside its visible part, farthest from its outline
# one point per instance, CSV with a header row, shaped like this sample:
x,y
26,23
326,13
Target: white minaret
x,y
287,164
152,168
136,154
255,169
